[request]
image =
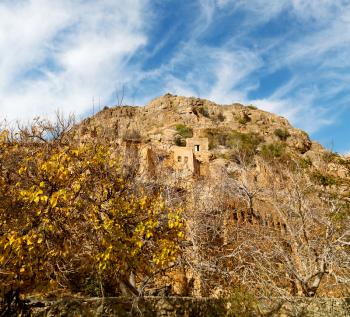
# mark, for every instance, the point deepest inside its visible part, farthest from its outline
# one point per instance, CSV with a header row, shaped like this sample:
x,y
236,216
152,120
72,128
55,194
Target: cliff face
x,y
177,138
156,122
170,121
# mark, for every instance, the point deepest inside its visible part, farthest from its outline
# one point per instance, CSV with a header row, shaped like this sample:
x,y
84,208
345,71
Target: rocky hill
x,y
245,177
170,120
156,122
179,197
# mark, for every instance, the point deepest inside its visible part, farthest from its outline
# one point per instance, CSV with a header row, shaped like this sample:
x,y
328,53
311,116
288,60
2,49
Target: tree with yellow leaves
x,y
67,216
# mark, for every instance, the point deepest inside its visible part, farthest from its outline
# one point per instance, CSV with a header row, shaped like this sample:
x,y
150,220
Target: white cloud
x,y
298,111
231,69
25,30
313,58
59,54
303,9
214,73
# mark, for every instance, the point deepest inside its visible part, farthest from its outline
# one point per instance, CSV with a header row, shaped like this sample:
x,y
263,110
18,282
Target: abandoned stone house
x,y
188,161
192,159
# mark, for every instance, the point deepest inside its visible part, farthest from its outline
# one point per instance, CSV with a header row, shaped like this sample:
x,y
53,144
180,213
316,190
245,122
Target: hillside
x,y
156,122
226,165
180,197
167,122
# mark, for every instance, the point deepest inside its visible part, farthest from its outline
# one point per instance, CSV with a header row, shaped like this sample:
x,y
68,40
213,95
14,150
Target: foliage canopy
x,y
66,212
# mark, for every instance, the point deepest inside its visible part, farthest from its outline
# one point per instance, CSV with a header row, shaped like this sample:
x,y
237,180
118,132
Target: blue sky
x,y
291,57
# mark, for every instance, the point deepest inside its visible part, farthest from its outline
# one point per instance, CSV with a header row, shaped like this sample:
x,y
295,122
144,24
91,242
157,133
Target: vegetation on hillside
x,y
282,134
74,217
183,132
279,234
71,220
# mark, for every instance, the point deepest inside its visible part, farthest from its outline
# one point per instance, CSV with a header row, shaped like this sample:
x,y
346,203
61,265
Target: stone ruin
x,y
192,159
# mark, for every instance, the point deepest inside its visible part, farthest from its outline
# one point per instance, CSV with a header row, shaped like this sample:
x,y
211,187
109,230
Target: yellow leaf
x,y
53,201
22,170
42,184
180,234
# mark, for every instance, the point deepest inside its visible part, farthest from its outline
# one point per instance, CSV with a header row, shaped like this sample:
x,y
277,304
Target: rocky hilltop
x,y
170,121
156,122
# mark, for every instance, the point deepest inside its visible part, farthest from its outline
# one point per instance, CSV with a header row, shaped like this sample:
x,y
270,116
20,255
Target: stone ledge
x,y
184,306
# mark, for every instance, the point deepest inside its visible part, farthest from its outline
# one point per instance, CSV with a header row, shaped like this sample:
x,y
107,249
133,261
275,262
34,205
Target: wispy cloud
x,y
286,56
229,72
58,54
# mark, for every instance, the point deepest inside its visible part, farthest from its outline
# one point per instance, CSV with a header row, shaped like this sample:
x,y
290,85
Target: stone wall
x,y
186,306
307,307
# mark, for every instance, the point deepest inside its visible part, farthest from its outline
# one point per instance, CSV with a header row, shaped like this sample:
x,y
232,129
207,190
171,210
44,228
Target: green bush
x,y
272,150
204,111
245,144
305,162
323,179
244,119
252,107
184,131
244,141
283,134
91,286
232,139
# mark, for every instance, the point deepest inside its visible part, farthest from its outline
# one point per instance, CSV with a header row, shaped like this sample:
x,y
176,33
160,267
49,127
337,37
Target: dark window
x,y
179,158
186,159
196,147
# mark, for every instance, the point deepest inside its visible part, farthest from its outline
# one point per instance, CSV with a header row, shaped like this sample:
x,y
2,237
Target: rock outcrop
x,y
156,122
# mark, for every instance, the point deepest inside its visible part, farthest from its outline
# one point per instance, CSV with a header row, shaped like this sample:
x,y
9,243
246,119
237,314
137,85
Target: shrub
x,y
184,131
244,119
216,137
240,143
204,111
252,107
245,141
329,156
305,162
323,179
272,150
283,134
